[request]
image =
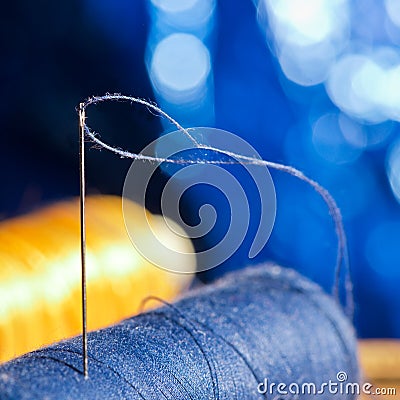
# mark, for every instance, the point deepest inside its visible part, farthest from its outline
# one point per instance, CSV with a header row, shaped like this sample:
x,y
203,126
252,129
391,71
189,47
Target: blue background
x,y
56,54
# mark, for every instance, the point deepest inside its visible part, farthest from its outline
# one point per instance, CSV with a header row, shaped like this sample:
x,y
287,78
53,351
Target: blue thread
x,y
218,342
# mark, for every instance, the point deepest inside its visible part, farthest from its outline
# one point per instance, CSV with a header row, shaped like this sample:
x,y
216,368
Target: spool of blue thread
x,y
219,342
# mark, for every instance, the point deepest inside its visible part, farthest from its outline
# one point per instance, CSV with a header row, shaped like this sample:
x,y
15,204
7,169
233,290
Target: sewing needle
x,y
82,118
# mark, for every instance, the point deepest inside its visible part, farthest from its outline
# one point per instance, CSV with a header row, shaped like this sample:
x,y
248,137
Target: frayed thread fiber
x,y
342,252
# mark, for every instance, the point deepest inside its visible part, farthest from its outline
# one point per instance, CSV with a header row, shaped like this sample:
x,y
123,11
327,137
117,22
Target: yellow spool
x,y
40,297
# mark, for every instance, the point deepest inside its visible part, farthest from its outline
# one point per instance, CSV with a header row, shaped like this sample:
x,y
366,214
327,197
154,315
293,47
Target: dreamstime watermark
x,y
200,165
339,386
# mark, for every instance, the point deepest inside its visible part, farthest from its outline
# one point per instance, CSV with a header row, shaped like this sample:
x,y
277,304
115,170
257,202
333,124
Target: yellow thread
x,y
40,280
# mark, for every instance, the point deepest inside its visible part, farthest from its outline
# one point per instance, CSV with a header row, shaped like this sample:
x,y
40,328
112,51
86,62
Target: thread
x,y
218,342
39,278
342,252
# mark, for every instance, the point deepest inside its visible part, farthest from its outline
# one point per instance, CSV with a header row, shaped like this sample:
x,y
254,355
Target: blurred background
x,y
310,83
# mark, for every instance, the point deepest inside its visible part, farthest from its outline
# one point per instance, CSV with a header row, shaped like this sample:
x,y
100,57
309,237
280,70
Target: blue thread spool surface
x,y
219,342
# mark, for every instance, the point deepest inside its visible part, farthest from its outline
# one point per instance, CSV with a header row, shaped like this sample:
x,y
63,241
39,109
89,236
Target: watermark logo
x,y
190,164
340,386
341,376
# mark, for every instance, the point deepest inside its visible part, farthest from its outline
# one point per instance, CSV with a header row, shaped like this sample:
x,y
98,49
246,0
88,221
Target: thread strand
x,y
342,259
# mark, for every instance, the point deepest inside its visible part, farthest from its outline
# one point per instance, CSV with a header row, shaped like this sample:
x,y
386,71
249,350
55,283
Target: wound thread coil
x,y
218,342
40,280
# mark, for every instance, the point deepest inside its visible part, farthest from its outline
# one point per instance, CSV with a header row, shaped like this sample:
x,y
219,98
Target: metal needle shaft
x,y
83,233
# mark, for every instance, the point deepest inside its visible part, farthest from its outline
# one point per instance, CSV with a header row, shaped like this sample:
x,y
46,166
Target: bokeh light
x,y
179,60
307,35
192,16
393,11
367,86
393,170
353,132
337,62
331,144
180,67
